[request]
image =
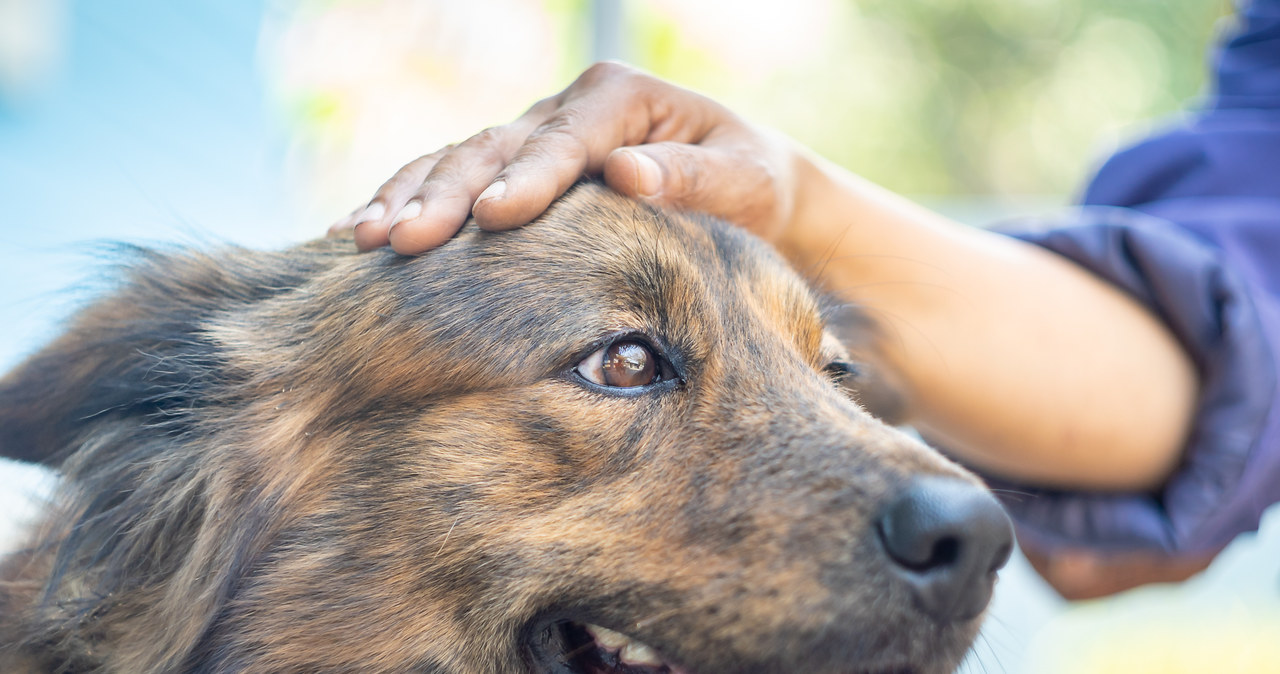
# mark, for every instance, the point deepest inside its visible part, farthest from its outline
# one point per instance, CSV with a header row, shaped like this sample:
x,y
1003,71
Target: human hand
x,y
649,139
1084,574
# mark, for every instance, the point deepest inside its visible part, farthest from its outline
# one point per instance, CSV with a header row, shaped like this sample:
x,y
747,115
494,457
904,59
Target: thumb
x,y
635,172
711,179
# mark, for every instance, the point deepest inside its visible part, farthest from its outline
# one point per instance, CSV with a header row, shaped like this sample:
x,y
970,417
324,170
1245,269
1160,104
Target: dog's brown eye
x,y
622,364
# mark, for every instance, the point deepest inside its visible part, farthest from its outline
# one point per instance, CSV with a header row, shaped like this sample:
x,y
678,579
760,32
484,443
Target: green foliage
x,y
950,97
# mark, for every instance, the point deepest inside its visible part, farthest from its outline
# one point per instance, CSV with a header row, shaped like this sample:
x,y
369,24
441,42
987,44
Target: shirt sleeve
x,y
1230,468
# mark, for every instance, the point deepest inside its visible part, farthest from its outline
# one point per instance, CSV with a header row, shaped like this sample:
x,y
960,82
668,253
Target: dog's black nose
x,y
947,538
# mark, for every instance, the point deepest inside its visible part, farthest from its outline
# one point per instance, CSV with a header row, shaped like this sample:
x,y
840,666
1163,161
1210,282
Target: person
x,y
1111,371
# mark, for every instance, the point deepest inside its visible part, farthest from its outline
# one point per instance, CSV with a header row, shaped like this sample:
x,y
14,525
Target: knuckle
x,y
761,177
599,70
559,135
605,71
435,156
446,173
543,107
562,123
398,183
411,175
762,172
489,137
489,145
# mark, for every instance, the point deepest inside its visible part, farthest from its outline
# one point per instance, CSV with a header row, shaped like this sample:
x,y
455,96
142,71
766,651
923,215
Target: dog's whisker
x,y
898,319
446,536
830,251
664,615
982,638
878,256
851,289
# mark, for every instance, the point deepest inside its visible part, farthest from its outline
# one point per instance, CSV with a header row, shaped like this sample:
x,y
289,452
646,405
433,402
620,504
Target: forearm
x,y
1019,361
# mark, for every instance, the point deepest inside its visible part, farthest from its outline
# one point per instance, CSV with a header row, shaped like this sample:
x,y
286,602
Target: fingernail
x,y
493,191
410,211
375,211
648,174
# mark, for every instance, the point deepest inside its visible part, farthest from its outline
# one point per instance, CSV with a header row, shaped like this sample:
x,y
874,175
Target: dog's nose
x,y
947,538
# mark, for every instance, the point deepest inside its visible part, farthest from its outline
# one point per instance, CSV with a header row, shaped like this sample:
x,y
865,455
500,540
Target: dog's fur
x,y
317,460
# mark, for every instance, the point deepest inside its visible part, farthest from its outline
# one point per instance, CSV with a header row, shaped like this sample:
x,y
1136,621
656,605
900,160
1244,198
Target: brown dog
x,y
607,442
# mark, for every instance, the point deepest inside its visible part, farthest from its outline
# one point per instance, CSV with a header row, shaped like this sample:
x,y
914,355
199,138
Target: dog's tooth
x,y
607,637
630,651
636,653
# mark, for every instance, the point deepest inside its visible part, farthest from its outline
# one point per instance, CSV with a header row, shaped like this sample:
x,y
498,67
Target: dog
x,y
616,440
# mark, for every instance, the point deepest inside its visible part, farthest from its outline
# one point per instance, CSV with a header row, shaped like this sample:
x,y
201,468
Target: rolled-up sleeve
x,y
1230,468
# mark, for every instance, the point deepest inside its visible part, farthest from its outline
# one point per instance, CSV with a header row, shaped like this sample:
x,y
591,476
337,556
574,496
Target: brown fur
x,y
317,460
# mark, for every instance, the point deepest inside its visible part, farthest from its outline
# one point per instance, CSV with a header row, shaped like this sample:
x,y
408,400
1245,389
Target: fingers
x,y
551,160
444,197
599,112
608,107
371,222
443,200
509,175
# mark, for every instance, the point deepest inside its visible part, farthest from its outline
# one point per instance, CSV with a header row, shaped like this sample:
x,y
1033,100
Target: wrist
x,y
810,226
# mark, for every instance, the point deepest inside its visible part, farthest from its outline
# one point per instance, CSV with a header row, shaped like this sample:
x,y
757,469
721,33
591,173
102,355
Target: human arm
x,y
1016,359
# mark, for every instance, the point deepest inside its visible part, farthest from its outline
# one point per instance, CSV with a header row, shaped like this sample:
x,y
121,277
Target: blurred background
x,y
262,121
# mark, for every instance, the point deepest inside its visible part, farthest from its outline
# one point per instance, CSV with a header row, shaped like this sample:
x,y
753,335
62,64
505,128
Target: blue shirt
x,y
1188,222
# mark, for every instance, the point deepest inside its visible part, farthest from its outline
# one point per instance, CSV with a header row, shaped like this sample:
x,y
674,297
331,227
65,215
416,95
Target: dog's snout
x,y
947,539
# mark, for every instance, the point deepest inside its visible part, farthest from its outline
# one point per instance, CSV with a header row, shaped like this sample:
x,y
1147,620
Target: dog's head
x,y
614,440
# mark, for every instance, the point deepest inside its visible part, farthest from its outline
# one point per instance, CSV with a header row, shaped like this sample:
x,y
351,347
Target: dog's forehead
x,y
680,266
520,303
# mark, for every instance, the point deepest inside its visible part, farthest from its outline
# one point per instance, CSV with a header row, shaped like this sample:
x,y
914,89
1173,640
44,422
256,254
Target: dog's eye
x,y
622,364
840,370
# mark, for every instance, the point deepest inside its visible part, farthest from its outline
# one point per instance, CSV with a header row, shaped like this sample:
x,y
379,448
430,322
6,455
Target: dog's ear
x,y
140,355
129,355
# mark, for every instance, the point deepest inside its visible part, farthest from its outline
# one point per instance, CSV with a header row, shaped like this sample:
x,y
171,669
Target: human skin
x,y
1018,361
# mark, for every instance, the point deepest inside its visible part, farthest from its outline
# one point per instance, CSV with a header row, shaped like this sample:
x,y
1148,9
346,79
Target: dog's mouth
x,y
567,647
